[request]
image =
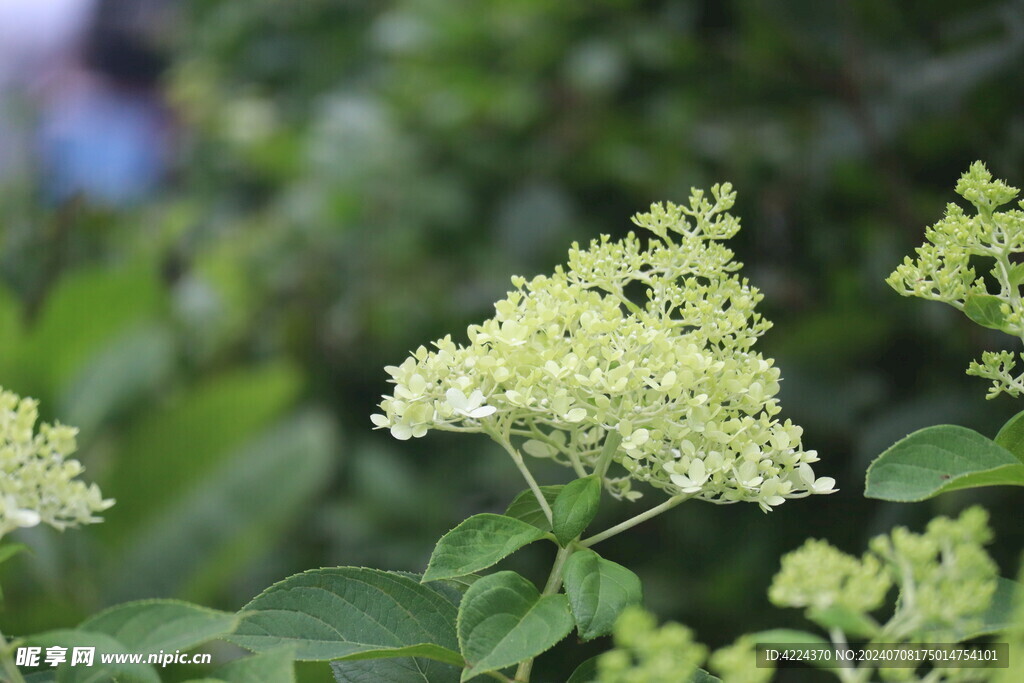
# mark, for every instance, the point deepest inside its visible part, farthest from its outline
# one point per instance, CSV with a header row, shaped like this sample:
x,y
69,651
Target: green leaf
x,y
173,449
404,670
526,508
939,459
1011,436
242,506
104,644
153,625
585,672
427,650
598,591
9,550
999,616
984,309
849,621
276,665
575,507
477,543
702,676
332,613
85,310
128,368
503,620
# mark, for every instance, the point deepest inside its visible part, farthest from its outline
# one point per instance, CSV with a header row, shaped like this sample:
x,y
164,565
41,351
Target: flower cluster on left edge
x,y
38,482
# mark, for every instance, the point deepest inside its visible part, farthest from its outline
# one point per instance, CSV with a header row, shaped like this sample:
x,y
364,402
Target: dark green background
x,y
357,178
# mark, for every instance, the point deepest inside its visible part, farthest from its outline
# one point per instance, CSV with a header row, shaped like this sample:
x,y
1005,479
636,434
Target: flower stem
x,y
554,583
517,458
611,444
633,521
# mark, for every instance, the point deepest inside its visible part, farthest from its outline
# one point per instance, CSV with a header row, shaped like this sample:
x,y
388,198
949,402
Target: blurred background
x,y
220,220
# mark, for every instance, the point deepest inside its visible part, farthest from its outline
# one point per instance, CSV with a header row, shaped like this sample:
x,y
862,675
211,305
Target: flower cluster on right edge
x,y
38,482
638,348
944,269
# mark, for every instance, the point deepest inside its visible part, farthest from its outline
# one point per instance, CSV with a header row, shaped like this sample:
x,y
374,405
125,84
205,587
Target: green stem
x,y
1011,291
517,458
555,577
554,583
9,668
846,672
611,444
633,521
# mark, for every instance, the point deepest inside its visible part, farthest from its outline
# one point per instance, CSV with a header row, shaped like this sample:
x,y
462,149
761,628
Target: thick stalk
x,y
633,521
554,583
611,444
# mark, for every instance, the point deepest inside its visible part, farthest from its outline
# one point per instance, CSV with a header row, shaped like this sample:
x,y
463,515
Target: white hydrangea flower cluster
x,y
944,270
668,386
38,482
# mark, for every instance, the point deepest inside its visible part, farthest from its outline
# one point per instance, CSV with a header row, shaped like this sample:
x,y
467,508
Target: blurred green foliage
x,y
356,177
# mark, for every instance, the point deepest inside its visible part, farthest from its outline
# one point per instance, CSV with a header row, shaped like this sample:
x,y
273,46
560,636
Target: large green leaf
x,y
401,670
477,543
128,368
503,620
7,551
174,448
585,672
1011,435
277,665
939,459
83,312
526,507
999,616
598,591
424,650
240,507
152,625
98,672
332,613
574,508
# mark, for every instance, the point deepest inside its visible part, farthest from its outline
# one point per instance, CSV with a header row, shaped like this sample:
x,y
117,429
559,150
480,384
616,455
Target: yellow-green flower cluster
x,y
644,653
944,269
37,481
737,663
648,347
946,580
819,576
